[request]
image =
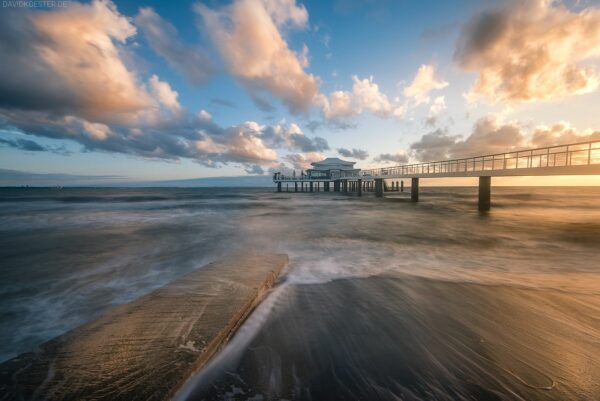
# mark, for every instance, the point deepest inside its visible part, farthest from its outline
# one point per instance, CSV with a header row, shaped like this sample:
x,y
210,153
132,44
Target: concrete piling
x,y
359,187
485,193
379,187
414,190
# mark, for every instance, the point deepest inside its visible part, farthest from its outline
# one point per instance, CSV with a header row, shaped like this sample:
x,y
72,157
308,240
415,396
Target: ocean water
x,y
383,298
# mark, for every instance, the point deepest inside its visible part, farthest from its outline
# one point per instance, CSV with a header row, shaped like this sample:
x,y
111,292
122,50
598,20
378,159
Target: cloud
x,y
302,161
241,144
365,97
359,154
397,158
80,46
438,106
191,61
424,82
190,136
290,137
93,97
262,103
165,95
561,133
60,61
286,12
433,146
336,124
28,145
247,35
223,102
23,144
488,137
254,169
530,50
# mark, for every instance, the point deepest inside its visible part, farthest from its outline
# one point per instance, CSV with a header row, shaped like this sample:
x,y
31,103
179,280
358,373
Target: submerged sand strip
x,y
146,349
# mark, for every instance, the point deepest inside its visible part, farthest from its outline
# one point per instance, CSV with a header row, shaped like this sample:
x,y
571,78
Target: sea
x,y
383,299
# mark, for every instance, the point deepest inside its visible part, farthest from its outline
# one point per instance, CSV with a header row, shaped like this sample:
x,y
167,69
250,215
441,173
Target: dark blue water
x,y
383,299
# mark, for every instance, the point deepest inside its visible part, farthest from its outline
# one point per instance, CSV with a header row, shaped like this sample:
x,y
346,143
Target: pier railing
x,y
576,154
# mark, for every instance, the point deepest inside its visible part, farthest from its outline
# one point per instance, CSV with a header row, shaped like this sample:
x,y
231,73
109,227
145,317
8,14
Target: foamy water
x,y
382,298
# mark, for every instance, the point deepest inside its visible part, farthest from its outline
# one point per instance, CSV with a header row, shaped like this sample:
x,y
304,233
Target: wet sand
x,y
393,337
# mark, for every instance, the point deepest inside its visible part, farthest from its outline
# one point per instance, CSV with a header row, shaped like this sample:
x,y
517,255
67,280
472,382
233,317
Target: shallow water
x,y
383,299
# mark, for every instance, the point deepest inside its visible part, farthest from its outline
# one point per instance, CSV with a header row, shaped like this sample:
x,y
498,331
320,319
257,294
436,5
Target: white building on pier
x,y
332,168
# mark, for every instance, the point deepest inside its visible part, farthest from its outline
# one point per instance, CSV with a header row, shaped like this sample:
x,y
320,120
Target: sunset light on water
x,y
300,200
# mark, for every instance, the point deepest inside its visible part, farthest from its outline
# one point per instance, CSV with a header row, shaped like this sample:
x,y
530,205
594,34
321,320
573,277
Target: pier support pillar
x,y
359,187
345,186
485,193
414,190
279,187
295,186
326,186
336,185
311,186
379,187
401,186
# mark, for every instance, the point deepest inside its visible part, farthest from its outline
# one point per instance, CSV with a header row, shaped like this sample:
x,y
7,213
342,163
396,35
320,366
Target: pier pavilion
x,y
581,158
343,174
332,168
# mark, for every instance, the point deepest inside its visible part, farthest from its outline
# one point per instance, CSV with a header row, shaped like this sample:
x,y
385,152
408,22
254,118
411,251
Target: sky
x,y
155,90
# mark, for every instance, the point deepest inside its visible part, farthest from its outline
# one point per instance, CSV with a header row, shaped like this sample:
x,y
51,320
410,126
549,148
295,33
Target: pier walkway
x,y
581,158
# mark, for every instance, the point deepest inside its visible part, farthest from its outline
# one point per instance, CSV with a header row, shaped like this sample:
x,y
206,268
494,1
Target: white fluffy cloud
x,y
81,48
437,106
531,50
365,96
286,12
164,94
424,82
241,143
246,34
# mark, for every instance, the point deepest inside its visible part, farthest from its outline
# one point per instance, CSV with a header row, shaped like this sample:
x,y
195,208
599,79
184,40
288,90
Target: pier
x,y
581,158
